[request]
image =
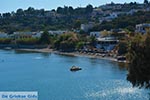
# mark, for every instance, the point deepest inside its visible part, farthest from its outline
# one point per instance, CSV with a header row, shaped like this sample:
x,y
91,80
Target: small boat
x,y
75,68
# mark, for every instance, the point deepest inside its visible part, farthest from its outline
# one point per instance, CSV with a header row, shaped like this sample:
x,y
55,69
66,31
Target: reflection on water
x,y
123,65
46,55
118,91
24,52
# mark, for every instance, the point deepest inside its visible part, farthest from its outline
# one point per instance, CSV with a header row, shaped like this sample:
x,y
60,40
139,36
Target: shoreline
x,y
77,54
86,55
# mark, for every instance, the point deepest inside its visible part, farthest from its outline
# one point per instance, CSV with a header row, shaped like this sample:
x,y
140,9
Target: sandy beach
x,y
90,55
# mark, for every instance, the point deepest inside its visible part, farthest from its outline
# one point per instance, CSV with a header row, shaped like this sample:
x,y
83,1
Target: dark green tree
x,y
122,48
139,58
77,24
66,42
89,9
0,15
6,15
20,12
92,41
59,10
70,10
145,1
45,38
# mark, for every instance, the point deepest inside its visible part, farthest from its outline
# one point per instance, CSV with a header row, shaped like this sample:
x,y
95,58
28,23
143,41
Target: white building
x,y
59,32
142,28
4,35
109,18
95,34
113,15
37,34
87,27
106,43
97,12
132,11
21,35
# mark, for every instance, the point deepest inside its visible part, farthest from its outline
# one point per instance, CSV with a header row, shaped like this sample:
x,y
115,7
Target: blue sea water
x,y
49,75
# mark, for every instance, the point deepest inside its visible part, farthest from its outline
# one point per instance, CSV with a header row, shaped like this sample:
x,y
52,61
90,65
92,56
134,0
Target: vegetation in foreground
x,y
139,57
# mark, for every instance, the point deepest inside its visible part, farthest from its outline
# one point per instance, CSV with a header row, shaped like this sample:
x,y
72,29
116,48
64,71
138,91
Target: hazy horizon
x,y
9,6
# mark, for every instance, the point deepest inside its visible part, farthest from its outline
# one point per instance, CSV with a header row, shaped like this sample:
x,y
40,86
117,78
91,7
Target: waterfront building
x,y
37,34
22,35
4,35
95,34
87,27
142,28
59,32
106,43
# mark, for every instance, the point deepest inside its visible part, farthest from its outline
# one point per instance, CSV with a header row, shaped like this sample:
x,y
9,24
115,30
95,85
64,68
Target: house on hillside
x,y
132,11
97,12
107,43
118,33
87,27
4,35
95,34
142,28
59,32
22,35
37,34
109,18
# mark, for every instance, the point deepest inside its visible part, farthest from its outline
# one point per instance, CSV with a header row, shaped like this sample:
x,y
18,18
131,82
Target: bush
x,y
28,41
5,41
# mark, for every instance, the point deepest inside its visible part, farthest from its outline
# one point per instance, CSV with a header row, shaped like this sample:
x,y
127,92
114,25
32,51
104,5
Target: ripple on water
x,y
38,58
116,90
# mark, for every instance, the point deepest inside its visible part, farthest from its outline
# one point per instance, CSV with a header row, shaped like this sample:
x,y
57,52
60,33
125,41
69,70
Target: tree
x,y
45,38
77,24
139,58
70,10
80,45
20,12
92,41
65,10
66,42
145,1
30,11
60,10
89,9
122,48
27,41
6,15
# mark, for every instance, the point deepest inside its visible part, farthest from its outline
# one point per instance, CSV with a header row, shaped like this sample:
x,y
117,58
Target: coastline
x,y
45,50
86,55
78,54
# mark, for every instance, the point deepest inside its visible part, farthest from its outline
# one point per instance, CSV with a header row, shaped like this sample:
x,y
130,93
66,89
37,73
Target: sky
x,y
13,5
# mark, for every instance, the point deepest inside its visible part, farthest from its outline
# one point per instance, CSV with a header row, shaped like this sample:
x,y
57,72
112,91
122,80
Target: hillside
x,y
69,18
